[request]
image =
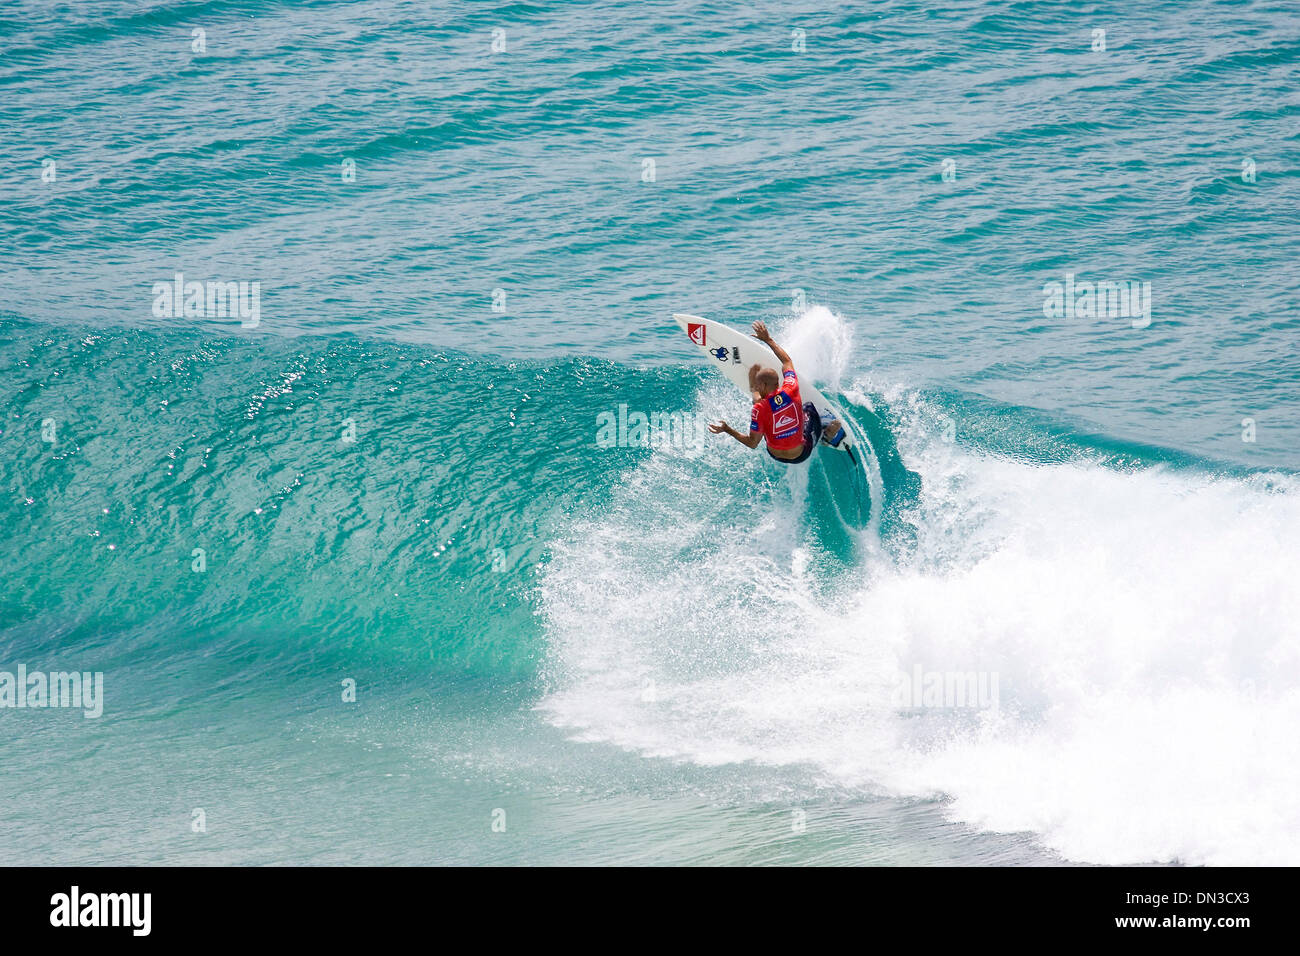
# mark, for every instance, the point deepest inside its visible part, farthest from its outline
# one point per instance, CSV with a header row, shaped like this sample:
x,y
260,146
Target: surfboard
x,y
732,352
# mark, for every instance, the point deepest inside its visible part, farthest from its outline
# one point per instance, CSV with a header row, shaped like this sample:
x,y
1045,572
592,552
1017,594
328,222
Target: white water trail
x,y
1143,628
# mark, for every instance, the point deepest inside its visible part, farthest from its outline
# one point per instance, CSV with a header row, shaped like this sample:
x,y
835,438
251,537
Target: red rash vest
x,y
780,416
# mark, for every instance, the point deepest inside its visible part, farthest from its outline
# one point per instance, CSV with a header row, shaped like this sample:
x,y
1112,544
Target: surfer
x,y
790,427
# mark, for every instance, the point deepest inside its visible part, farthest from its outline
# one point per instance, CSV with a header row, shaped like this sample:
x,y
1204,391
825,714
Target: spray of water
x,y
1139,631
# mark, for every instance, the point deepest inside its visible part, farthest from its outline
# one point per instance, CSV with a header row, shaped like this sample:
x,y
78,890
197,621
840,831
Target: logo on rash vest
x,y
783,423
696,331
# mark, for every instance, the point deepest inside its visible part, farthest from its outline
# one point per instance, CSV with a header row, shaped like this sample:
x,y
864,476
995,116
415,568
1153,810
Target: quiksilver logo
x,y
102,909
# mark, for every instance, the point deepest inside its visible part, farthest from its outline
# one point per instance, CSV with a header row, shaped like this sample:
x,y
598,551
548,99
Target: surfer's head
x,y
768,381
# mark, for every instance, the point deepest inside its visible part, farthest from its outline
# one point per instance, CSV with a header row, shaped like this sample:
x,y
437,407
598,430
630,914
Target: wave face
x,y
347,497
1136,619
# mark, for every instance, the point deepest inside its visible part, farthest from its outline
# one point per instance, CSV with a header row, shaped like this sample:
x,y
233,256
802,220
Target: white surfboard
x,y
732,352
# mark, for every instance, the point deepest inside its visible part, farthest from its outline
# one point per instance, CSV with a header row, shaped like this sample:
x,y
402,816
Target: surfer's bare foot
x,y
831,430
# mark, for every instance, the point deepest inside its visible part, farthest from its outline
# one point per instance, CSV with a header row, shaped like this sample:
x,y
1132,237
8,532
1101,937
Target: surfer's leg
x,y
830,431
812,422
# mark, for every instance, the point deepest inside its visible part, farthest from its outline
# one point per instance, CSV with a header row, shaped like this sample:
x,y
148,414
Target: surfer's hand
x,y
760,332
719,428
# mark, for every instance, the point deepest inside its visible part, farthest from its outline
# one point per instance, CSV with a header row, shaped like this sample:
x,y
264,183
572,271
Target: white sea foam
x,y
1144,627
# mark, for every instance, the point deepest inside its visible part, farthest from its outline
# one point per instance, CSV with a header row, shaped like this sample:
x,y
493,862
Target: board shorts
x,y
812,430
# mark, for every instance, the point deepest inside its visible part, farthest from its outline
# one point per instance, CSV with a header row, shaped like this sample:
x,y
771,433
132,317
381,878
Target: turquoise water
x,y
672,653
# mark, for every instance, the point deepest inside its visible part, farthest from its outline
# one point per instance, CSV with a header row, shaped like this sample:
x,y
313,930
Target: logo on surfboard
x,y
720,353
696,331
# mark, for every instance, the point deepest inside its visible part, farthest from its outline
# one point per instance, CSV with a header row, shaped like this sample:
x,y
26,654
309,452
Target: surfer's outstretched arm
x,y
749,441
761,333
